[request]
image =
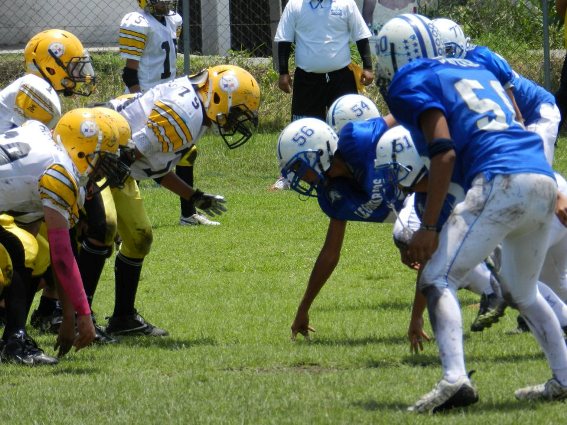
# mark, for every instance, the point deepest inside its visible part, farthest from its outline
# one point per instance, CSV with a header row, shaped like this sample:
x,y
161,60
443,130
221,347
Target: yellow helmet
x,y
158,7
91,139
231,97
59,57
120,124
118,171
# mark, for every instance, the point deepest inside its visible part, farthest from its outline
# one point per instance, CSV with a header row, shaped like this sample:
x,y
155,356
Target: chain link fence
x,y
527,33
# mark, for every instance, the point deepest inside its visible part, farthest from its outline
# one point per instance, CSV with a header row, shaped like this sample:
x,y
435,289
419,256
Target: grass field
x,y
228,295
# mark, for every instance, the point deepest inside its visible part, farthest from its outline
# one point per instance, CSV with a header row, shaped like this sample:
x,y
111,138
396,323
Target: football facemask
x,y
305,172
237,127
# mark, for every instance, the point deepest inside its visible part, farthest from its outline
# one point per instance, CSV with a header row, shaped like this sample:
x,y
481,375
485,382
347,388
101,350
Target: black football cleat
x,y
132,325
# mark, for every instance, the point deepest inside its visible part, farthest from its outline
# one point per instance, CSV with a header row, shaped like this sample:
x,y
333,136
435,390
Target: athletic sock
x,y
445,318
545,327
91,263
127,276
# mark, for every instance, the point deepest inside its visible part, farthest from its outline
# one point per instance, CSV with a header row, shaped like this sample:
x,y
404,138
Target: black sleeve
x,y
363,46
284,51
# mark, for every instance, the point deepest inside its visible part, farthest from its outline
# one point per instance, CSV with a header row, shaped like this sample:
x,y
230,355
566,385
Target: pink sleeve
x,y
66,269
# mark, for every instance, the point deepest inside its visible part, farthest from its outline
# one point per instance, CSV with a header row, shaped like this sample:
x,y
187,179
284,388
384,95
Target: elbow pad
x,y
130,77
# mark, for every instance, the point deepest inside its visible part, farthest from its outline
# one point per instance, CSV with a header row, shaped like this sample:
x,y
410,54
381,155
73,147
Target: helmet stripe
x,y
411,19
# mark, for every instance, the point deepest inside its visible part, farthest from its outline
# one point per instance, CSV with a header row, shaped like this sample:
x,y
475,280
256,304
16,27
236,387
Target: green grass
x,y
228,296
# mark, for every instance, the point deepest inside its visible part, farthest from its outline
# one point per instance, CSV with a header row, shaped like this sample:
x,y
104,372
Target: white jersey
x,y
28,98
35,172
165,122
154,45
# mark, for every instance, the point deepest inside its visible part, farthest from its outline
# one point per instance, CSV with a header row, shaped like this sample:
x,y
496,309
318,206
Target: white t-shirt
x,y
28,98
145,39
322,32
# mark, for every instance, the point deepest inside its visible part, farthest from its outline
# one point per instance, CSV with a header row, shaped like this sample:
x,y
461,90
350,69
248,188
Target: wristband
x,y
196,195
429,228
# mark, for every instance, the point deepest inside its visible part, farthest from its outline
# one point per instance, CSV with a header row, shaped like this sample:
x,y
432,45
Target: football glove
x,y
210,204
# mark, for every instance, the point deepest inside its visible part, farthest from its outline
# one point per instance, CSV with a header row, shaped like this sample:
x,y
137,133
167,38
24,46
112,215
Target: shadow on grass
x,y
476,409
165,343
70,370
355,342
365,305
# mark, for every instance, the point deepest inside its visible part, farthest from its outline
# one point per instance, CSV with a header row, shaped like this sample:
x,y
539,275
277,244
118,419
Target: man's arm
x,y
211,204
284,51
324,266
519,117
416,334
442,156
70,285
363,47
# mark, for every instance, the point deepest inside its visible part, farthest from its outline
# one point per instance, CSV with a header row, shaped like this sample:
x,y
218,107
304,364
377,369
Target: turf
x,y
228,295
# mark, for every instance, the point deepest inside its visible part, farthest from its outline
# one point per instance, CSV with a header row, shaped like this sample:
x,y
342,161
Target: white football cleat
x,y
196,220
446,396
551,390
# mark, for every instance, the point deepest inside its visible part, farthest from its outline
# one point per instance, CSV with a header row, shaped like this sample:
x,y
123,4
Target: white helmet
x,y
307,144
453,36
396,154
350,107
403,39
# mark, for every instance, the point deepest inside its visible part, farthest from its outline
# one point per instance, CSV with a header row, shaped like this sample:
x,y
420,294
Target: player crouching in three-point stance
x,y
43,178
467,128
166,122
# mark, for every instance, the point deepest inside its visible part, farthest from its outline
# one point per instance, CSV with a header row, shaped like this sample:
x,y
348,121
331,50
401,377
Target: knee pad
x,y
138,246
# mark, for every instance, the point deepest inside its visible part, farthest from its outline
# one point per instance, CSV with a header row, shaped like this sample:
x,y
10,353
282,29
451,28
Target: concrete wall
x,y
95,23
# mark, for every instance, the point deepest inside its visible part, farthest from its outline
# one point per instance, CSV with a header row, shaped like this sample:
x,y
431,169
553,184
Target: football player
x,y
148,42
59,57
339,172
166,122
538,113
468,131
56,63
535,105
43,178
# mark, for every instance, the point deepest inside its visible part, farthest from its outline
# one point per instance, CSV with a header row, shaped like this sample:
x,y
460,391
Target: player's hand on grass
x,y
66,336
85,332
301,326
210,204
417,335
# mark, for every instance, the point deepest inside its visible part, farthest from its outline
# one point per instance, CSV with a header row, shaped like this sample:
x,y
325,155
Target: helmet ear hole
x,y
216,98
81,155
50,71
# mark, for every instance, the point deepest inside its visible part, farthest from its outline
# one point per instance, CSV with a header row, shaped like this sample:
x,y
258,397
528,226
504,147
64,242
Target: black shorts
x,y
314,93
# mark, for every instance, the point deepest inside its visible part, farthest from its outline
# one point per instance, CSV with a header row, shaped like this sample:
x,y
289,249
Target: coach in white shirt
x,y
322,31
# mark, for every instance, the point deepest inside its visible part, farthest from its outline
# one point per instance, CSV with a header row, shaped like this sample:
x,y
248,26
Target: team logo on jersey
x,y
89,128
57,49
229,83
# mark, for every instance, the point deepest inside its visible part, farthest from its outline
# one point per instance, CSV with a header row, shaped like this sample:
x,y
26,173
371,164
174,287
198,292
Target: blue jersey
x,y
493,62
529,96
362,197
480,117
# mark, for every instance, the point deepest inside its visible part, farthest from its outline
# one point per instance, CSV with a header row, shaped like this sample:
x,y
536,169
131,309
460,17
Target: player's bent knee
x,y
138,246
